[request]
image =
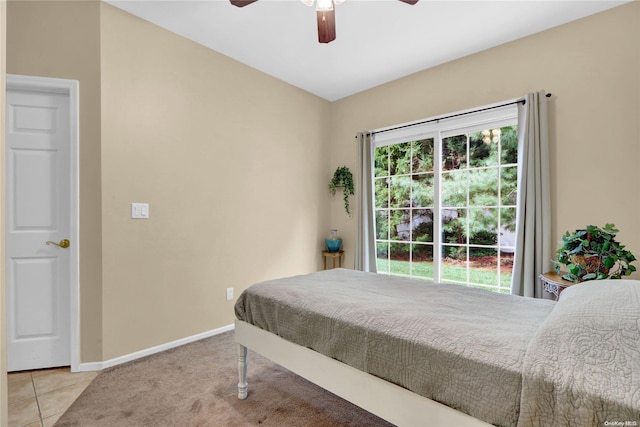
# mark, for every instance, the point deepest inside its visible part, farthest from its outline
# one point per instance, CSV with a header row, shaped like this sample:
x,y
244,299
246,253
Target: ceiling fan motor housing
x,y
325,13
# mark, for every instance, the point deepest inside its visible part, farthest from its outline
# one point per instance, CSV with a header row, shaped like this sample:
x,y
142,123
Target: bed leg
x,y
242,372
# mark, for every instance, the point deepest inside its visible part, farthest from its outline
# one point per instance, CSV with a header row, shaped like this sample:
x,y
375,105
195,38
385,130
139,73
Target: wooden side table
x,y
554,283
333,256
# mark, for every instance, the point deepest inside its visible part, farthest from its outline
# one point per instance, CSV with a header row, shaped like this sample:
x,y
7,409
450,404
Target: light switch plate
x,y
140,210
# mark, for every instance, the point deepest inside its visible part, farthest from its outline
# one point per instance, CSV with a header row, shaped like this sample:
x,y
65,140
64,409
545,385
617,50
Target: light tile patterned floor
x,y
39,398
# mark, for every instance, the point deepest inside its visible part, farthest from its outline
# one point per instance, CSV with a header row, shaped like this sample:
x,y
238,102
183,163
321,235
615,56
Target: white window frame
x,y
439,127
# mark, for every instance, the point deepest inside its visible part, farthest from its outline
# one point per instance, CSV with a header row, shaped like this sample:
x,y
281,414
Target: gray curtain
x,y
533,220
365,250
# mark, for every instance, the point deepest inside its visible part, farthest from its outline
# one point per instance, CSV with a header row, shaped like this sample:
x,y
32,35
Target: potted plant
x,y
593,253
342,178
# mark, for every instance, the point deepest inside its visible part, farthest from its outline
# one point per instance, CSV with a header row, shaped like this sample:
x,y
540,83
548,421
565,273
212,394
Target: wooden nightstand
x,y
554,283
333,256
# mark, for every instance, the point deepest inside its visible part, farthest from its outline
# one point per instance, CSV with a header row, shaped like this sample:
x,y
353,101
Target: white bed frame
x,y
393,403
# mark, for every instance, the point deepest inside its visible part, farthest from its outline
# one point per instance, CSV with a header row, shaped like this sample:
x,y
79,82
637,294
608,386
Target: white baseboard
x,y
98,366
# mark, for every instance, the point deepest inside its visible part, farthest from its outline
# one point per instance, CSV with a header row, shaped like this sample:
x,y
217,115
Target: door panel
x,y
38,192
35,317
34,171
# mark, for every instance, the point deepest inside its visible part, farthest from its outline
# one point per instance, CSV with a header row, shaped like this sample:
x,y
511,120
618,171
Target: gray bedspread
x,y
460,346
582,367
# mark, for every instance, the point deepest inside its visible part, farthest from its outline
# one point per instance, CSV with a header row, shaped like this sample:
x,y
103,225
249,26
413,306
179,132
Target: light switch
x,y
139,210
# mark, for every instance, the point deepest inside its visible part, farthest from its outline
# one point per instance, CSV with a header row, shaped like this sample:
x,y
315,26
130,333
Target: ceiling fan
x,y
325,13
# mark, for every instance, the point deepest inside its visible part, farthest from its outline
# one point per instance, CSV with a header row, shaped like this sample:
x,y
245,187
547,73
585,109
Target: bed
x,y
402,349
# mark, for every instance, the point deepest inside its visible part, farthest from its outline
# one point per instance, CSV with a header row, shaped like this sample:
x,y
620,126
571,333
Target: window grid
x,y
411,208
390,239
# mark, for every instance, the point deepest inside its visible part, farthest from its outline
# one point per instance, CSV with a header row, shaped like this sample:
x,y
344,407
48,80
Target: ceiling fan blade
x,y
242,3
409,1
326,25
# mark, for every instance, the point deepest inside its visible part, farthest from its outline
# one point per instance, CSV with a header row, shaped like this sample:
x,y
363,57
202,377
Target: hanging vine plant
x,y
342,178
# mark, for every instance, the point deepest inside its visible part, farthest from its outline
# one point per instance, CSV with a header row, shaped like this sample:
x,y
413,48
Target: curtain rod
x,y
519,101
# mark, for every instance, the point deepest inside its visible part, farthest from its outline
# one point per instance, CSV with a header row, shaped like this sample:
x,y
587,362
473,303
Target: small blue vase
x,y
334,243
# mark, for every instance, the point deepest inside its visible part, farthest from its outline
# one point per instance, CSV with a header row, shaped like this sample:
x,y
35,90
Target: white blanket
x,y
582,368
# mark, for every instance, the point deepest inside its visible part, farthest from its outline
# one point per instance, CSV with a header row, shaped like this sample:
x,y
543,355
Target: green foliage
x,y
509,141
423,155
454,152
400,158
342,177
593,253
478,185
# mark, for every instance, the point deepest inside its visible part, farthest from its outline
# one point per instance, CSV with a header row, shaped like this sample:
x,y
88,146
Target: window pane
x,y
422,261
454,264
382,255
483,266
381,161
423,155
382,192
454,152
454,226
422,252
483,187
400,224
400,190
507,227
422,225
483,226
509,185
506,272
400,158
454,188
400,258
483,148
509,144
382,225
422,190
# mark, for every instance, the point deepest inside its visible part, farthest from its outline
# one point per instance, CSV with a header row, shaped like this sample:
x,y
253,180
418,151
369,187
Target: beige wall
x,y
592,67
62,40
230,161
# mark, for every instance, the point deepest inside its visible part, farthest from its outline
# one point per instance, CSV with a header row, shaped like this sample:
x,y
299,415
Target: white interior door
x,y
38,204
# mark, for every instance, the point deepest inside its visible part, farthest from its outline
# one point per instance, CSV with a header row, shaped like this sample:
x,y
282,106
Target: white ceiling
x,y
377,40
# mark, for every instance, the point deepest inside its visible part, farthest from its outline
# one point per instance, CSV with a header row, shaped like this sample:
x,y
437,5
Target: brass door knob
x,y
64,243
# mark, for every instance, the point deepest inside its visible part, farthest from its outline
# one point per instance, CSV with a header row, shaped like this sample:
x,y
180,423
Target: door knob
x,y
64,243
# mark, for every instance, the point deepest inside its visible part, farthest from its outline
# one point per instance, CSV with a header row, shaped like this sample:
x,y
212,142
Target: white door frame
x,y
70,88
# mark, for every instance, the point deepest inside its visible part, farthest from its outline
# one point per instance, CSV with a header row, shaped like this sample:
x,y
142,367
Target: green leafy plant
x,y
342,178
592,254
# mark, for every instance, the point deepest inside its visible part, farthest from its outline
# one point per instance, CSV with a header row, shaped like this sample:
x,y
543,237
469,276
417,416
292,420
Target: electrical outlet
x,y
229,294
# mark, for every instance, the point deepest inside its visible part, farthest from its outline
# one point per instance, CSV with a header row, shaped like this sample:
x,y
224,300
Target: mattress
x,y
460,346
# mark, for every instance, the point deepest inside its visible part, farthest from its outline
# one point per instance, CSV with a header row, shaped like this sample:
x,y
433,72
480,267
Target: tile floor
x,y
39,398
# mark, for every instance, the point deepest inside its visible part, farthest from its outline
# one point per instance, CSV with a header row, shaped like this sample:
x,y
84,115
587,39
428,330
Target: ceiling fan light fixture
x,y
324,5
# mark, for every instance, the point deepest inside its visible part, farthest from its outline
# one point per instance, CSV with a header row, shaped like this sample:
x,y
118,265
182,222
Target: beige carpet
x,y
196,385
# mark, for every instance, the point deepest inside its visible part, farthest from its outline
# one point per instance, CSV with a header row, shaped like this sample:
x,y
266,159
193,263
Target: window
x,y
445,199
